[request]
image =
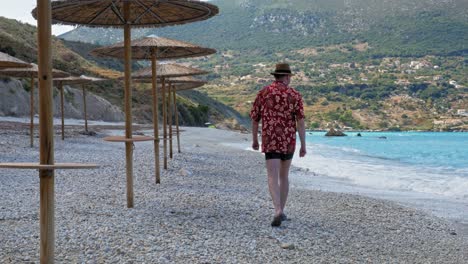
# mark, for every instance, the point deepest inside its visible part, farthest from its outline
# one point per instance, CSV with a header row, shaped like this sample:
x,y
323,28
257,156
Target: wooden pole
x,y
176,119
128,104
84,108
169,94
155,118
46,135
164,106
62,109
31,125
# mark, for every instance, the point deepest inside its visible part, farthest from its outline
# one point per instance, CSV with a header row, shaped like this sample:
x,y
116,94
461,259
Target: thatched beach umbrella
x,y
89,79
154,48
177,84
180,84
163,72
47,165
73,80
31,72
128,14
7,61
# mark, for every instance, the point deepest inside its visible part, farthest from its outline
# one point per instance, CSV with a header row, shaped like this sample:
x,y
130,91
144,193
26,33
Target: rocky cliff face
x,y
15,101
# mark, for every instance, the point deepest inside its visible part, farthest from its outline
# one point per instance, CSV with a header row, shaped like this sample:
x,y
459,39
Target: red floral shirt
x,y
279,107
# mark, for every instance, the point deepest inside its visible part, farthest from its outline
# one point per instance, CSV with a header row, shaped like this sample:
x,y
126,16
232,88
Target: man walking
x,y
280,108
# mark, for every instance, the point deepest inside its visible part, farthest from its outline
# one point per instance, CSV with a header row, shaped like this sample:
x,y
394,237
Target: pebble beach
x,y
212,206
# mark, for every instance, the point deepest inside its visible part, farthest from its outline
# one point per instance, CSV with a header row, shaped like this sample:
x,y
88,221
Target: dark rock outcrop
x,y
334,133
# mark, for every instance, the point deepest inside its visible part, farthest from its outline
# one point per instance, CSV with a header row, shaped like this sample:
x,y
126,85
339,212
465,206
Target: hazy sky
x,y
21,10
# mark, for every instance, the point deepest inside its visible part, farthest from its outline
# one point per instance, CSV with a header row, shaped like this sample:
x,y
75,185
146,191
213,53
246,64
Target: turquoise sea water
x,y
425,169
425,162
427,149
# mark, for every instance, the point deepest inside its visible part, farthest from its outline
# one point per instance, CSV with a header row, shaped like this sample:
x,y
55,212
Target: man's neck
x,y
282,82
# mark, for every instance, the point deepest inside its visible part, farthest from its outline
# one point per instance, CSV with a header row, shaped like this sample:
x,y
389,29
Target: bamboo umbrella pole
x,y
155,118
62,109
171,87
84,107
163,92
46,136
31,125
128,104
176,119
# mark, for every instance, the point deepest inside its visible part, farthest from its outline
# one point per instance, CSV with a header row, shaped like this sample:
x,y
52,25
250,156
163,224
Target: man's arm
x,y
301,130
254,135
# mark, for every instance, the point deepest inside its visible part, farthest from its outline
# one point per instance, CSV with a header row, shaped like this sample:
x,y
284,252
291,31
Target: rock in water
x,y
334,133
185,172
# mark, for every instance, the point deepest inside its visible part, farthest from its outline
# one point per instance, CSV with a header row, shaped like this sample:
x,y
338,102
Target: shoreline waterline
x,y
328,168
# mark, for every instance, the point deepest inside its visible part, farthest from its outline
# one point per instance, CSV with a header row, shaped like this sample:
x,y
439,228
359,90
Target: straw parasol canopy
x,y
146,47
168,70
70,80
153,48
32,71
144,13
7,61
163,71
93,79
180,83
187,79
127,14
73,80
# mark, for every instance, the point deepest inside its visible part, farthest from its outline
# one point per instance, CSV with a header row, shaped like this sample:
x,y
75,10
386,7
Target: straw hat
x,y
282,69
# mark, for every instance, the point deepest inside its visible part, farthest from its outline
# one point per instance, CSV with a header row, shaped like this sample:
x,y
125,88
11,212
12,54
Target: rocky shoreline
x,y
213,206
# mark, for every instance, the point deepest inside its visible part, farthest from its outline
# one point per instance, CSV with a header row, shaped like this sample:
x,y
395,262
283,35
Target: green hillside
x,y
364,64
19,40
396,27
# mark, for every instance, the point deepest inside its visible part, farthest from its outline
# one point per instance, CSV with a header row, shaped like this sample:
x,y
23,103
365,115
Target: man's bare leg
x,y
284,181
273,170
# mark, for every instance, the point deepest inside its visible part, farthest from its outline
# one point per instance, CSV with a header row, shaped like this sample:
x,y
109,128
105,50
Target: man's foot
x,y
283,217
276,221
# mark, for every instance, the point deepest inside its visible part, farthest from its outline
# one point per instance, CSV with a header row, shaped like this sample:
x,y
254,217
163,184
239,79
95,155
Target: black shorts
x,y
281,156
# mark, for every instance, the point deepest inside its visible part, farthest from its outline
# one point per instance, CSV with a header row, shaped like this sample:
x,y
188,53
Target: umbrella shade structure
x,y
8,61
127,14
145,48
46,165
177,84
164,71
154,48
90,80
31,72
143,13
73,80
59,82
168,70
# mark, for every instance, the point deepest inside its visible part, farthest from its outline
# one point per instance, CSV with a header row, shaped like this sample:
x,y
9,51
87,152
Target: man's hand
x,y
255,145
302,151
